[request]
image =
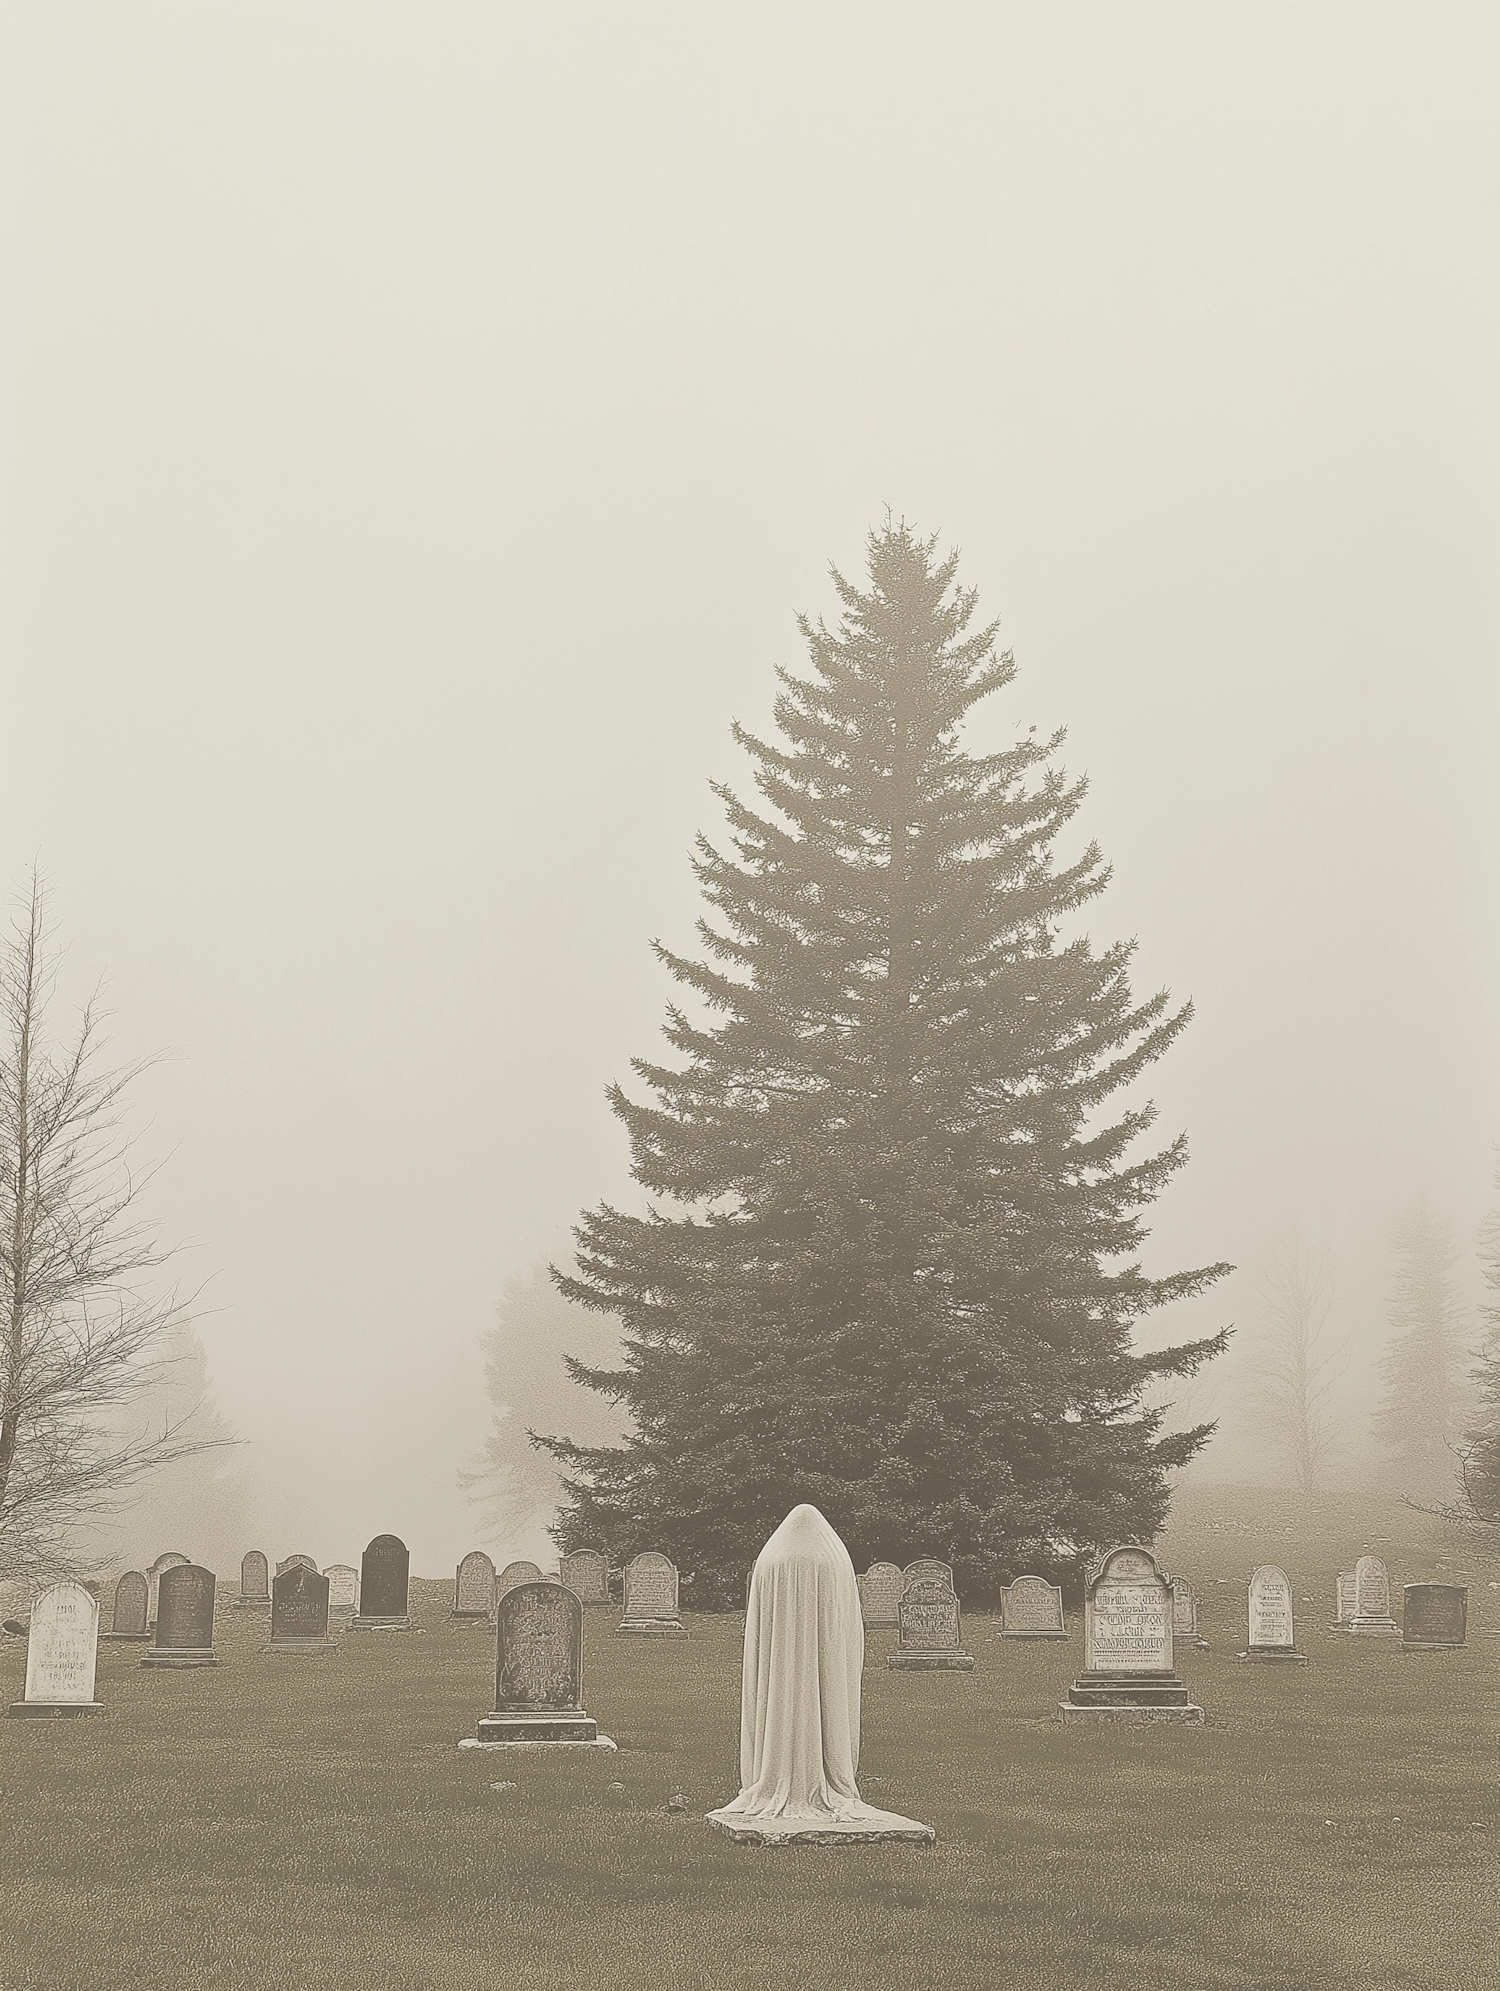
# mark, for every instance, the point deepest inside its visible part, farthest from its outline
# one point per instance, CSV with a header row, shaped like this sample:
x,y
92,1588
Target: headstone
x,y
1272,1639
296,1562
586,1573
1372,1599
255,1583
538,1674
1344,1607
1031,1607
879,1593
929,1634
514,1573
132,1601
1185,1615
343,1587
184,1619
173,1559
1127,1646
651,1598
299,1612
61,1651
927,1570
1434,1617
384,1583
474,1586
800,1701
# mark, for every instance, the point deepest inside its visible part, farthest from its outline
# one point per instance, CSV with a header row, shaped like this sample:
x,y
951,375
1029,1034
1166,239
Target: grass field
x,y
284,1823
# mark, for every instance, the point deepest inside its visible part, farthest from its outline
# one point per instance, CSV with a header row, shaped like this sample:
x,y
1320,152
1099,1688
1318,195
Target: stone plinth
x,y
1273,1655
176,1659
1127,1646
1070,1712
884,1828
364,1624
52,1710
538,1674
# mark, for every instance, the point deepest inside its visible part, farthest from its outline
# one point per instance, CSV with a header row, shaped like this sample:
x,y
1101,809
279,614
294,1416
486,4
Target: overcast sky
x,y
421,426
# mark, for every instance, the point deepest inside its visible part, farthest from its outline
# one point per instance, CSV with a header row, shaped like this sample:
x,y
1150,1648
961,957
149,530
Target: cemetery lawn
x,y
310,1822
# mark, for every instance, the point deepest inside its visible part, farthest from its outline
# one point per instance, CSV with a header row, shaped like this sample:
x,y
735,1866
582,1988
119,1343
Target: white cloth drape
x,y
799,1700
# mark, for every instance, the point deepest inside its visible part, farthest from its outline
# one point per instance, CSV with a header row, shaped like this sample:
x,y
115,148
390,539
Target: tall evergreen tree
x,y
1419,1413
895,1272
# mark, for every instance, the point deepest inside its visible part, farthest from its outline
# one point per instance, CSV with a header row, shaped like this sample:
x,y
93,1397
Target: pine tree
x,y
1419,1411
889,1277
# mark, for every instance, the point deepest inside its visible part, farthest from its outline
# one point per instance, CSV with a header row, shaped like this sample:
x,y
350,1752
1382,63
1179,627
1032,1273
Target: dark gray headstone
x,y
132,1593
384,1573
1434,1616
299,1610
929,1629
539,1669
291,1561
184,1618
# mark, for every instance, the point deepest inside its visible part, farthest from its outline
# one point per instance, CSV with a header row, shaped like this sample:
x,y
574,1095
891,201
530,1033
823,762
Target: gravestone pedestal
x,y
1372,1600
52,1710
875,1828
1273,1655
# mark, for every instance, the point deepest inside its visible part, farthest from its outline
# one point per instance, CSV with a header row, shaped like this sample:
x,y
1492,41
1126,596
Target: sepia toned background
x,y
420,430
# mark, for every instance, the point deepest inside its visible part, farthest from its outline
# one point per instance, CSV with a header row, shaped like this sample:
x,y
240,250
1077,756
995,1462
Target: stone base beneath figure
x,y
652,1628
52,1710
313,1645
359,1624
178,1658
931,1662
877,1828
1374,1628
1069,1711
1273,1655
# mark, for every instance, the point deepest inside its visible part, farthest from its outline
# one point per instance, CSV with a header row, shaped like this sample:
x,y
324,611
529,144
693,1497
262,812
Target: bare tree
x,y
1296,1366
84,1313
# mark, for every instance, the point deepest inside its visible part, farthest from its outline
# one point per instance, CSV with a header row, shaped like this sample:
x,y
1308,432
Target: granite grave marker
x,y
299,1612
384,1586
184,1634
1434,1617
651,1598
538,1674
879,1595
586,1573
1372,1599
1032,1608
132,1600
255,1583
1127,1646
474,1586
929,1639
1272,1634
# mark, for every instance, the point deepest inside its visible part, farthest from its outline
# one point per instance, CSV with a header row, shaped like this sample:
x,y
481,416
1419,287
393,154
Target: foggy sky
x,y
421,427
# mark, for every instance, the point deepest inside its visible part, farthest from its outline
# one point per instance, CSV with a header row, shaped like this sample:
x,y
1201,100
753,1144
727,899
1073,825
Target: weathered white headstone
x,y
1344,1605
800,1699
651,1598
929,1632
343,1586
474,1586
255,1583
1272,1639
514,1573
586,1573
1372,1599
61,1653
1032,1608
1127,1646
879,1595
173,1559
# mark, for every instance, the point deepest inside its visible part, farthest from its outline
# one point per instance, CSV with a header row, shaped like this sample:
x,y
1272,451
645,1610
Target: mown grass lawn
x,y
282,1823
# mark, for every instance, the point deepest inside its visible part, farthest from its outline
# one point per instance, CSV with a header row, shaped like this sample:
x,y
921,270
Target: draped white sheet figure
x,y
800,1695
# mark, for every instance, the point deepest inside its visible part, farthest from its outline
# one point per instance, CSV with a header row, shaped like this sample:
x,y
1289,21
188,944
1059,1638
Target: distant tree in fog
x,y
529,1387
1479,1453
1418,1420
1295,1365
896,1273
199,1503
84,1317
